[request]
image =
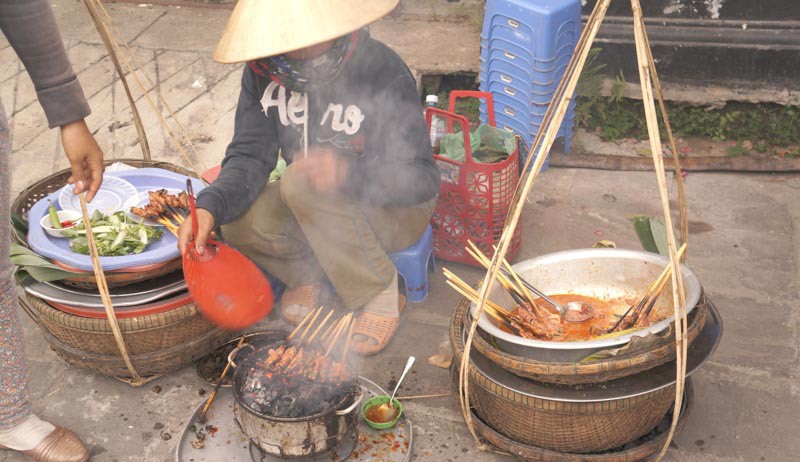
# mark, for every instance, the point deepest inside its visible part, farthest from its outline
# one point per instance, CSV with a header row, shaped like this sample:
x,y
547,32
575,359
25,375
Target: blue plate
x,y
144,179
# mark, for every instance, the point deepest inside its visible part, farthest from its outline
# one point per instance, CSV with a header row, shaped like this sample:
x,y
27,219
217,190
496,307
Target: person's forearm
x,y
31,30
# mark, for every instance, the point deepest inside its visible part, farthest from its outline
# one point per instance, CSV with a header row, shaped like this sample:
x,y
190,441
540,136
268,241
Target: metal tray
x,y
654,379
56,294
229,444
137,288
599,273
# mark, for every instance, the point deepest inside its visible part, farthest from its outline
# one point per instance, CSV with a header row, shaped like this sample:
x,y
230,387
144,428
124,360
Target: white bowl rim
x,y
66,213
691,285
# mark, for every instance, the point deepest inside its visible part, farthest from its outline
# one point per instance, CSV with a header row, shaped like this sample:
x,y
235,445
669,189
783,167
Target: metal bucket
x,y
599,273
291,437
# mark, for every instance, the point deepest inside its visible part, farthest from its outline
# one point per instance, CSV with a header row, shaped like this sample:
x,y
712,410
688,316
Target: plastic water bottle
x,y
438,127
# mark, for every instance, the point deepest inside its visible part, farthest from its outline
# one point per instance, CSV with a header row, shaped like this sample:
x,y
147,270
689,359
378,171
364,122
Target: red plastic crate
x,y
475,197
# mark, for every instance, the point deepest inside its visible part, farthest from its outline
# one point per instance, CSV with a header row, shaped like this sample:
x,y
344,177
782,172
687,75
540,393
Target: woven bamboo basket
x,y
142,334
632,452
557,425
616,367
148,365
50,184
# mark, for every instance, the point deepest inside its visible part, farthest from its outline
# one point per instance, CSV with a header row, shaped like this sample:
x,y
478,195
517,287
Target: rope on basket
x,y
547,134
114,37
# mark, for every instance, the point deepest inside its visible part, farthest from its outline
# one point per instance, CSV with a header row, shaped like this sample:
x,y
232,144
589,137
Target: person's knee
x,y
237,233
295,190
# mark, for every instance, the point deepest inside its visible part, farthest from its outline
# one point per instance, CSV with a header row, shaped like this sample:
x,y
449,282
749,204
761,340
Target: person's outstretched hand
x,y
85,158
205,224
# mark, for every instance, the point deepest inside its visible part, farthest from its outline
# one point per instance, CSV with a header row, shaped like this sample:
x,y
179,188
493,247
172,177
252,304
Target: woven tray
x,y
632,452
571,427
50,184
147,365
142,334
612,368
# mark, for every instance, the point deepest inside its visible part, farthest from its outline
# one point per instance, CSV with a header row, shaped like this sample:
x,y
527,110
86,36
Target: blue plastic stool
x,y
412,265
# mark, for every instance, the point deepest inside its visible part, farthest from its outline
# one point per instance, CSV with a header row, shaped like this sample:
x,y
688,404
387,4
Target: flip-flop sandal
x,y
379,328
306,297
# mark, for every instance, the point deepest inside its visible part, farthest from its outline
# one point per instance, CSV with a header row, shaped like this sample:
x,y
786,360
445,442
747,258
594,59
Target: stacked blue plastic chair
x,y
525,48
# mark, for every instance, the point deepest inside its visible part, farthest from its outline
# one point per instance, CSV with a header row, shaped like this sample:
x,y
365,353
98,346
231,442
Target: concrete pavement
x,y
744,246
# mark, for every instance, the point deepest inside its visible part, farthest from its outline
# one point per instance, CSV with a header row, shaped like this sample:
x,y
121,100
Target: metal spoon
x,y
570,312
387,409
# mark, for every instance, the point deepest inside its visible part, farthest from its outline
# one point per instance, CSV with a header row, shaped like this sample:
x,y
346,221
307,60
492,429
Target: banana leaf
x,y
651,232
29,263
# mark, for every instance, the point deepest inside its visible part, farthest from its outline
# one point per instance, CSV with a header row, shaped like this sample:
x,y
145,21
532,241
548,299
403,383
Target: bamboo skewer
x,y
517,288
316,331
330,330
299,326
338,333
435,395
347,342
317,312
204,411
648,292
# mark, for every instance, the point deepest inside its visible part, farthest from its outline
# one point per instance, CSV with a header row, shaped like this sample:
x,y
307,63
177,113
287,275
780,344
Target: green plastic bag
x,y
489,144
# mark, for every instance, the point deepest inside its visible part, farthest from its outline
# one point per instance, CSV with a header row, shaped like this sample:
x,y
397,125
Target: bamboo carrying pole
x,y
102,286
546,135
551,124
107,42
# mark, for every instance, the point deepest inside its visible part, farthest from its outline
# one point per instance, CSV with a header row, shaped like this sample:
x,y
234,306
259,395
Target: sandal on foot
x,y
373,326
298,302
61,445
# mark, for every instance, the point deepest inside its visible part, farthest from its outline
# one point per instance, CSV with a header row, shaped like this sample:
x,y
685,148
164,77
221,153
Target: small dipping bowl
x,y
377,401
63,215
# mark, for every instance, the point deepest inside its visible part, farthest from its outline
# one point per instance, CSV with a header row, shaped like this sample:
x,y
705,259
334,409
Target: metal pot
x,y
287,437
600,273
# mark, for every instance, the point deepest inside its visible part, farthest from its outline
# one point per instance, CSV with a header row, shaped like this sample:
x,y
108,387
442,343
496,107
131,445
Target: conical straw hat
x,y
261,28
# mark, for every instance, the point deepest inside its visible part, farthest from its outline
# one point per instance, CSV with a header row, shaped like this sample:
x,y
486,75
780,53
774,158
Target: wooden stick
x,y
299,326
316,331
317,312
338,333
637,307
102,287
478,255
409,398
330,330
202,417
495,312
452,277
347,342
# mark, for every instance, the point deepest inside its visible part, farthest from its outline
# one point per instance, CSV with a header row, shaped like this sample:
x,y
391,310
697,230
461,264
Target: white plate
x,y
109,198
143,198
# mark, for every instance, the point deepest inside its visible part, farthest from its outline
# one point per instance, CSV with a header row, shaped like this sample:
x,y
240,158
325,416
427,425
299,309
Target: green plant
x,y
736,150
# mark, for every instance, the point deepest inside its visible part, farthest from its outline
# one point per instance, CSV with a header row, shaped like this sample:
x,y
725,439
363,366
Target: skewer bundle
x,y
301,357
637,313
167,209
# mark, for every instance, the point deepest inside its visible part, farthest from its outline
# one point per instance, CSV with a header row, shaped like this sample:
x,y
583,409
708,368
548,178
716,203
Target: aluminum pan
x,y
599,273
